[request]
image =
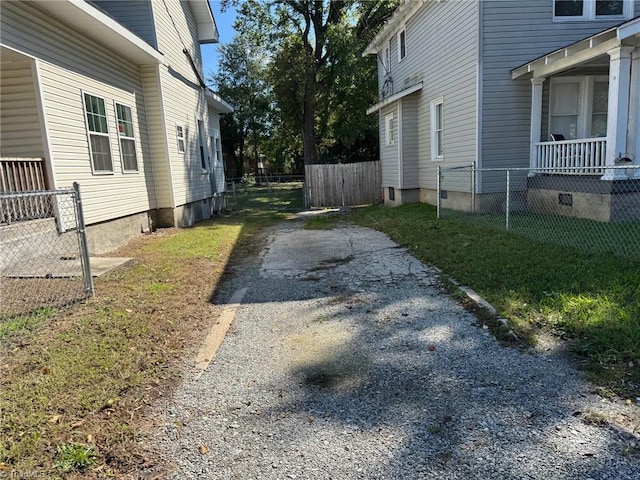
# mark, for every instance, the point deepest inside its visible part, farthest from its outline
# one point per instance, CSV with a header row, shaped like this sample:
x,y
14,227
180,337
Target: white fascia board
x,y
629,29
217,103
570,55
95,24
207,28
402,14
393,98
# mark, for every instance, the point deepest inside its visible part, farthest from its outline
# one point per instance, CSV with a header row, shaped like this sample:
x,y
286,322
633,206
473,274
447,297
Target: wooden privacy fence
x,y
339,185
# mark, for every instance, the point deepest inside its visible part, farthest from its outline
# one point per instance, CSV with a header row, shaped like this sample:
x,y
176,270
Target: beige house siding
x,y
159,139
184,99
19,124
70,64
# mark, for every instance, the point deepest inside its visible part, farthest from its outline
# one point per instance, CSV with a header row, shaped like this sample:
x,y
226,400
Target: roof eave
x,y
217,103
597,43
207,28
101,27
403,13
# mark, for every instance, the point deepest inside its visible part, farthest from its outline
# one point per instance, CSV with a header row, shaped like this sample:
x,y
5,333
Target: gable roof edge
x,y
403,13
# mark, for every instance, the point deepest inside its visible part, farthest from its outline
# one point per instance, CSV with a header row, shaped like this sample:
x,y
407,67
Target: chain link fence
x,y
595,213
44,261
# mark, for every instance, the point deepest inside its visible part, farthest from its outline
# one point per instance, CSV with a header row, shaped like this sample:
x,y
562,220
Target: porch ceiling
x,y
582,52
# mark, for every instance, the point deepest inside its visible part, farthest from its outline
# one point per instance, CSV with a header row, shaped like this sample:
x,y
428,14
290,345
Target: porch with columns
x,y
598,156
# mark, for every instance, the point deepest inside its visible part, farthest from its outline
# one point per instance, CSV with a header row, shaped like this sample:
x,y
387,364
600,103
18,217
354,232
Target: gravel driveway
x,y
346,360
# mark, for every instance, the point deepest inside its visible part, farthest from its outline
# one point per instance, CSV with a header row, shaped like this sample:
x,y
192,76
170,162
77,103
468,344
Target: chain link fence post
x,y
82,241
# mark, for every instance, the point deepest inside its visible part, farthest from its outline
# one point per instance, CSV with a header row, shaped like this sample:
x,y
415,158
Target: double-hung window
x,y
578,10
202,142
386,60
181,138
127,139
390,129
98,133
437,129
578,106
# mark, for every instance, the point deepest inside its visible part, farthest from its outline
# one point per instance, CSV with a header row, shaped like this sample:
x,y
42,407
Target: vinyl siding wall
x,y
515,32
183,100
69,64
410,141
133,14
19,125
442,52
389,153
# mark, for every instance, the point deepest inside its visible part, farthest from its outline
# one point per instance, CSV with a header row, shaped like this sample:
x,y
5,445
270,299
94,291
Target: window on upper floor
x,y
127,139
437,129
386,59
578,10
98,133
402,45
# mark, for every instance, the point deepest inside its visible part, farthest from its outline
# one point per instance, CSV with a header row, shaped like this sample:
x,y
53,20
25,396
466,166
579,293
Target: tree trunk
x,y
309,145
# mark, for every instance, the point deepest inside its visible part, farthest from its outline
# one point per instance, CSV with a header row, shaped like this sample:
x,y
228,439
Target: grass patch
x,y
593,300
274,198
321,222
17,325
76,382
75,457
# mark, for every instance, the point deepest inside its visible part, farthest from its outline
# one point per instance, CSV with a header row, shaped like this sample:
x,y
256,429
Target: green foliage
x,y
319,85
75,457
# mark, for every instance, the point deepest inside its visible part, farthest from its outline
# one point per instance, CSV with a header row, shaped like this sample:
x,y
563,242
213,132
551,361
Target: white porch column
x,y
618,111
536,121
633,136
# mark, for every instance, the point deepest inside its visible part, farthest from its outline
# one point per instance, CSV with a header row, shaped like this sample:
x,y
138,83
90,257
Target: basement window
x,y
565,199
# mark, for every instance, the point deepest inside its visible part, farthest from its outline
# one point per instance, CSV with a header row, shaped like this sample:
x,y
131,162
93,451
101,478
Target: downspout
x,y
479,99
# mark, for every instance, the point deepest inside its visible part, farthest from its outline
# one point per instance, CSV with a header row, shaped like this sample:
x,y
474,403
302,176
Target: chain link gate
x,y
44,257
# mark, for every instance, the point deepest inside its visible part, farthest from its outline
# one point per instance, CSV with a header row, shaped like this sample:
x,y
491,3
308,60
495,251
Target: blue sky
x,y
224,22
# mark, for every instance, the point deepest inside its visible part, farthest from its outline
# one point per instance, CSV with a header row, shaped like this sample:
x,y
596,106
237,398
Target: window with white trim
x,y
390,125
437,129
578,106
98,133
580,10
386,59
202,143
127,138
402,44
181,138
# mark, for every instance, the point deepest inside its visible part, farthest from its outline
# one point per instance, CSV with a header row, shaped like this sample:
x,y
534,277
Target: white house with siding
x,y
486,83
111,95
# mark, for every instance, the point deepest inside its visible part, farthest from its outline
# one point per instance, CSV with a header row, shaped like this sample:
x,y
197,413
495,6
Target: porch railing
x,y
23,175
582,156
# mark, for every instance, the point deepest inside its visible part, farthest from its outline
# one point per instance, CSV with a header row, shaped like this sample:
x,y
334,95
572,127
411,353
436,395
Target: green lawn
x,y
617,238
